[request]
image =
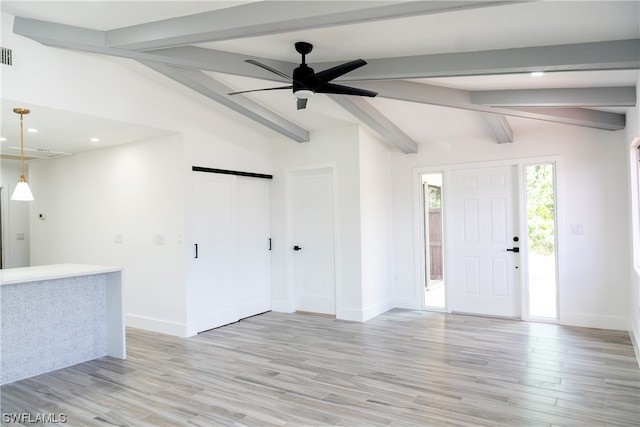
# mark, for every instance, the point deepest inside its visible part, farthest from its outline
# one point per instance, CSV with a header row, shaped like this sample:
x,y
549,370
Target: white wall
x,y
364,262
376,225
591,191
132,190
632,137
15,217
337,148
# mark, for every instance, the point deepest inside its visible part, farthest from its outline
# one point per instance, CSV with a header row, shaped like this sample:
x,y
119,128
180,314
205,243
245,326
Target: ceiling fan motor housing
x,y
304,79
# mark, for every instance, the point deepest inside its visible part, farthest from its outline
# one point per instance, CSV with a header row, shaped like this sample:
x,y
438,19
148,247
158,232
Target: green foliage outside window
x,y
540,209
435,197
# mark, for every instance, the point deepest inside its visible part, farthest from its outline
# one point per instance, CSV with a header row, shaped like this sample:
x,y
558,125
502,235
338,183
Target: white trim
x,y
281,306
588,320
634,166
158,325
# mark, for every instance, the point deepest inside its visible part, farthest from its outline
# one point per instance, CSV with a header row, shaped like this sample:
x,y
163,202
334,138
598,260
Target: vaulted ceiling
x,y
439,67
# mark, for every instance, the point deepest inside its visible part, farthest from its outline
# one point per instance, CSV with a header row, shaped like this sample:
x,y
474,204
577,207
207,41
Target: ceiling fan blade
x,y
302,103
266,67
258,90
344,90
329,74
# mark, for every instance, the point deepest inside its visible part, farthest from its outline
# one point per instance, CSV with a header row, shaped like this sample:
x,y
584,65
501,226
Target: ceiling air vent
x,y
6,56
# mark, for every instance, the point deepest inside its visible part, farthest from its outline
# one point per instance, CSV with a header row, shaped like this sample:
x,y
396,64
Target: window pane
x,y
541,240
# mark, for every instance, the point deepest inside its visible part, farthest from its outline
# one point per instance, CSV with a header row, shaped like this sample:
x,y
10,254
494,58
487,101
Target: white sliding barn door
x,y
253,260
231,249
483,225
216,302
313,242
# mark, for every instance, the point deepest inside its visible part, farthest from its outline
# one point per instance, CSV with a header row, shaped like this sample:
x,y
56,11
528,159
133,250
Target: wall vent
x,y
6,56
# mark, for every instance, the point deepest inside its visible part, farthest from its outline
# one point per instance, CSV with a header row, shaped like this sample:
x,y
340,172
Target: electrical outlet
x,y
118,238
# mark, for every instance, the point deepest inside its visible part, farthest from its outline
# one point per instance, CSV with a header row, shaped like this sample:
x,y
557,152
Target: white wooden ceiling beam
x,y
376,121
456,98
559,97
217,91
609,55
500,127
273,17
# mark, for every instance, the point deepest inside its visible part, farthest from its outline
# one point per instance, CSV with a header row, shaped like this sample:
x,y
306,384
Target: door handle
x,y
514,250
195,245
296,248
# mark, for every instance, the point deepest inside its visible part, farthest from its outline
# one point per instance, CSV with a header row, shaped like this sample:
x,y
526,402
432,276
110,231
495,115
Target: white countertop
x,y
47,272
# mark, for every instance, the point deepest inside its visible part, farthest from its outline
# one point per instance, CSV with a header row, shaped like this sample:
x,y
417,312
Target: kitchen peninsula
x,y
54,316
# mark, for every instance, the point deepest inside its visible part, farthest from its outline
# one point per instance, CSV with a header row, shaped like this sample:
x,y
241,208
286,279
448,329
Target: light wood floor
x,y
403,368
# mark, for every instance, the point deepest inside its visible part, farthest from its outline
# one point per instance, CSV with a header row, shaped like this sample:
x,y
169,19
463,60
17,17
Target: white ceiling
x,y
503,26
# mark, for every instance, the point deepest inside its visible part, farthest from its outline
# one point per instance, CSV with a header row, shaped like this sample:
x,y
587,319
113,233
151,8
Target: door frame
x,y
520,185
290,174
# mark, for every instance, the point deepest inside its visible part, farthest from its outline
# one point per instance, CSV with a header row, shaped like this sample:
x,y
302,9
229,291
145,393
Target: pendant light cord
x,y
22,178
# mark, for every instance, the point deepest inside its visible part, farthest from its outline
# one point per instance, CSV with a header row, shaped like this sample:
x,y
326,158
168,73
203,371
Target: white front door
x,y
313,241
483,226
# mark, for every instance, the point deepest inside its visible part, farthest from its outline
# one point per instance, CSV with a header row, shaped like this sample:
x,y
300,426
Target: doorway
x,y
434,285
313,241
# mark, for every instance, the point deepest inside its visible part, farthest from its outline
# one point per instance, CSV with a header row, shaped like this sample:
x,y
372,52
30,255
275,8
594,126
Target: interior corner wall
x,y
633,137
337,148
15,218
121,89
592,183
120,206
376,225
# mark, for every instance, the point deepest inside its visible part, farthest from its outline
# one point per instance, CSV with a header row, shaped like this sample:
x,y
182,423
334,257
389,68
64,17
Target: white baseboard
x,y
376,309
350,314
407,303
281,307
634,334
156,325
585,320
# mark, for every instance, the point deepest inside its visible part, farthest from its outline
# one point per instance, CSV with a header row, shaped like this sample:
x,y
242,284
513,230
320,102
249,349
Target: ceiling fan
x,y
305,82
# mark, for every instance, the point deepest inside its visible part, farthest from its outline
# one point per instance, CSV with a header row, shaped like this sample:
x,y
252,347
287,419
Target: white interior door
x,y
313,242
483,225
216,302
253,262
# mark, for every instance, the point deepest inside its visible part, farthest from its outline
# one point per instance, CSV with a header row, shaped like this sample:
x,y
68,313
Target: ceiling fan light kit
x,y
305,82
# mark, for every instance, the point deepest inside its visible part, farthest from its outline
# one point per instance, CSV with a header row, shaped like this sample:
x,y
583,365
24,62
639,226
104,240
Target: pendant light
x,y
22,191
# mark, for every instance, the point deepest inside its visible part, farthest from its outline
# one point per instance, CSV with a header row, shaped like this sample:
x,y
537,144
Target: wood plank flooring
x,y
403,368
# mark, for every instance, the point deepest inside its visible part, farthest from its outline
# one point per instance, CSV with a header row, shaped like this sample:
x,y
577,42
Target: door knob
x,y
296,248
514,250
